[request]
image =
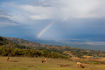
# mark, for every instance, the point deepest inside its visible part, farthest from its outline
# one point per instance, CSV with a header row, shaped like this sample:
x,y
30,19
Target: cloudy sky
x,y
53,19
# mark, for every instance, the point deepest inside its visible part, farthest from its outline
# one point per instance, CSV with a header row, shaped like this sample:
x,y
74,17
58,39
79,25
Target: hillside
x,y
36,49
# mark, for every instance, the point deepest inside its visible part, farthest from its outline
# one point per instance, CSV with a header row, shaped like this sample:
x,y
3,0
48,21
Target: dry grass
x,y
26,63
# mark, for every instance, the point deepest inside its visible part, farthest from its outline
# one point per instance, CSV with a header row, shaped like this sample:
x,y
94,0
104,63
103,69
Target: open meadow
x,y
28,63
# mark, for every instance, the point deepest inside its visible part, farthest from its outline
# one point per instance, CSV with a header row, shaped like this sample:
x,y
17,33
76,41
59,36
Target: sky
x,y
65,20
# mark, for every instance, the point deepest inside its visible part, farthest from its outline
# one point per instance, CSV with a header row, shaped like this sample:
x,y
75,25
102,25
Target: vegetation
x,y
19,47
8,48
92,60
27,63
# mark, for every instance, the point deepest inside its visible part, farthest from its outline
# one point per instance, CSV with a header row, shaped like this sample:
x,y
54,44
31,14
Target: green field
x,y
28,63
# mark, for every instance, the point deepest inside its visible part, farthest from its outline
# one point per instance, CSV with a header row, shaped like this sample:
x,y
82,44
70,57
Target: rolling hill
x,y
22,47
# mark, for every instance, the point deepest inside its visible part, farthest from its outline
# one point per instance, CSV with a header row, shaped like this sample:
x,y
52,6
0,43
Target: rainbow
x,y
44,30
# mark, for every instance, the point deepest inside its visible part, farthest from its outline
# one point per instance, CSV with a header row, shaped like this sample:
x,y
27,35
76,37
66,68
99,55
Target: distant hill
x,y
81,44
24,47
71,43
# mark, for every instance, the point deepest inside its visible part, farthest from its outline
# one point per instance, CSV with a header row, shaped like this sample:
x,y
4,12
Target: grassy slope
x,y
26,63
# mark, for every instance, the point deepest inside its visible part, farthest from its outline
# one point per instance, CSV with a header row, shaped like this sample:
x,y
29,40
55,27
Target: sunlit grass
x,y
26,63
